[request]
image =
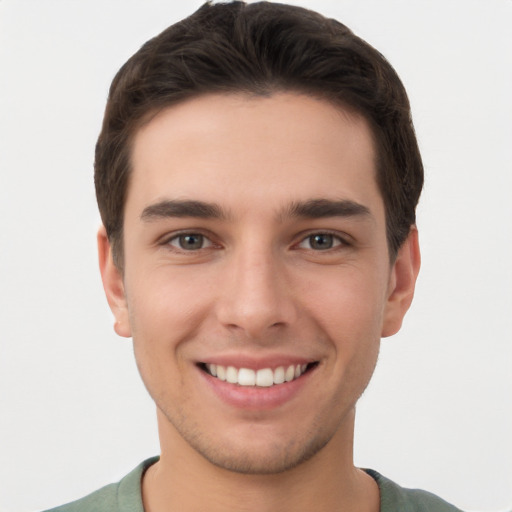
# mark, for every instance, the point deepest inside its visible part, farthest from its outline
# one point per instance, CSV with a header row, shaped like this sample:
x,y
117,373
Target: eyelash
x,y
337,241
185,234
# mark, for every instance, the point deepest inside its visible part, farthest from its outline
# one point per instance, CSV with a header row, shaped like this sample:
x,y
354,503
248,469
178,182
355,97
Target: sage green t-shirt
x,y
125,496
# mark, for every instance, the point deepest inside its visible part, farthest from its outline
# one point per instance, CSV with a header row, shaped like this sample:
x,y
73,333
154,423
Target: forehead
x,y
236,149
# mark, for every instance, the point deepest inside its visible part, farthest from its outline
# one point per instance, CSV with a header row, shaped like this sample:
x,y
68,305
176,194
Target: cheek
x,y
166,305
348,303
163,317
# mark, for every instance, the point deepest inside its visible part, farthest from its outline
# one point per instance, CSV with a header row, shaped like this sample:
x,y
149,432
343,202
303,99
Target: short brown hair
x,y
259,49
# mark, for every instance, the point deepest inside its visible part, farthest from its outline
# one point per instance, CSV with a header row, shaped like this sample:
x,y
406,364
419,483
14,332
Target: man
x,y
257,175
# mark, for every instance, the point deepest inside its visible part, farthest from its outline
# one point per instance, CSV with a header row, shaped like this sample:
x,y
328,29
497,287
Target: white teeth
x,y
279,375
246,377
265,377
232,375
221,372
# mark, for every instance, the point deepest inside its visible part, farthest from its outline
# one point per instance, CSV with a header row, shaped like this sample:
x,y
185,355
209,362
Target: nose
x,y
255,297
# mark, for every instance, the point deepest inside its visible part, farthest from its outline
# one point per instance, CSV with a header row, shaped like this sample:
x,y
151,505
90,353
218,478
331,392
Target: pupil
x,y
190,242
321,242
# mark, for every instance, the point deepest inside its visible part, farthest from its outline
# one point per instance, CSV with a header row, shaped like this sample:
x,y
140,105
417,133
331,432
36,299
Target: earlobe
x,y
113,285
402,283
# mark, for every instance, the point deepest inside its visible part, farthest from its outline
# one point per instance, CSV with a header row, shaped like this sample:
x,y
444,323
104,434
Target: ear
x,y
113,285
402,281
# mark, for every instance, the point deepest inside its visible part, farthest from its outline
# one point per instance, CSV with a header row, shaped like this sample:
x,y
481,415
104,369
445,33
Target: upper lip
x,y
256,363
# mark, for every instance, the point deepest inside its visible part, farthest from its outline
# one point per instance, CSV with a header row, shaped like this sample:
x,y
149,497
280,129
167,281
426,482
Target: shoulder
x,y
394,498
104,499
123,496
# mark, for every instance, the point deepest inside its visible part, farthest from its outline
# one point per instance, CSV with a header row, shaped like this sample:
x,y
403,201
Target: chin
x,y
259,456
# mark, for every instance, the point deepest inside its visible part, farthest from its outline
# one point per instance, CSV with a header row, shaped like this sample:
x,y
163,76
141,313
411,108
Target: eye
x,y
190,242
321,242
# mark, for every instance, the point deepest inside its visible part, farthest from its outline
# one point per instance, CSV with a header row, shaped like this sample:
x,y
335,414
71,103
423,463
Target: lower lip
x,y
256,397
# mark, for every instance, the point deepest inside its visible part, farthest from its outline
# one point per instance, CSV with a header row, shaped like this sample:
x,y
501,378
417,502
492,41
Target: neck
x,y
183,480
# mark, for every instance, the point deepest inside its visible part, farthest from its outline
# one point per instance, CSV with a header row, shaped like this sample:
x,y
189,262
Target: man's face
x,y
255,250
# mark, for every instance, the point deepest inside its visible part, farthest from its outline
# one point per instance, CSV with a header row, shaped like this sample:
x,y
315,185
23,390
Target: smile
x,y
264,377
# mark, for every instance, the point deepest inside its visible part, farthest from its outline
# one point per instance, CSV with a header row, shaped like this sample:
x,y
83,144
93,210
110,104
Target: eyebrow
x,y
310,209
176,208
320,208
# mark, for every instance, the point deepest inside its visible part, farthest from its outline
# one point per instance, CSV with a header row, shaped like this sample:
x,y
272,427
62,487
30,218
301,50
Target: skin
x,y
258,291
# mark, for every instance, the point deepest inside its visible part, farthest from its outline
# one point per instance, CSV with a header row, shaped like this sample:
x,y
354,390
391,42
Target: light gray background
x,y
73,413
